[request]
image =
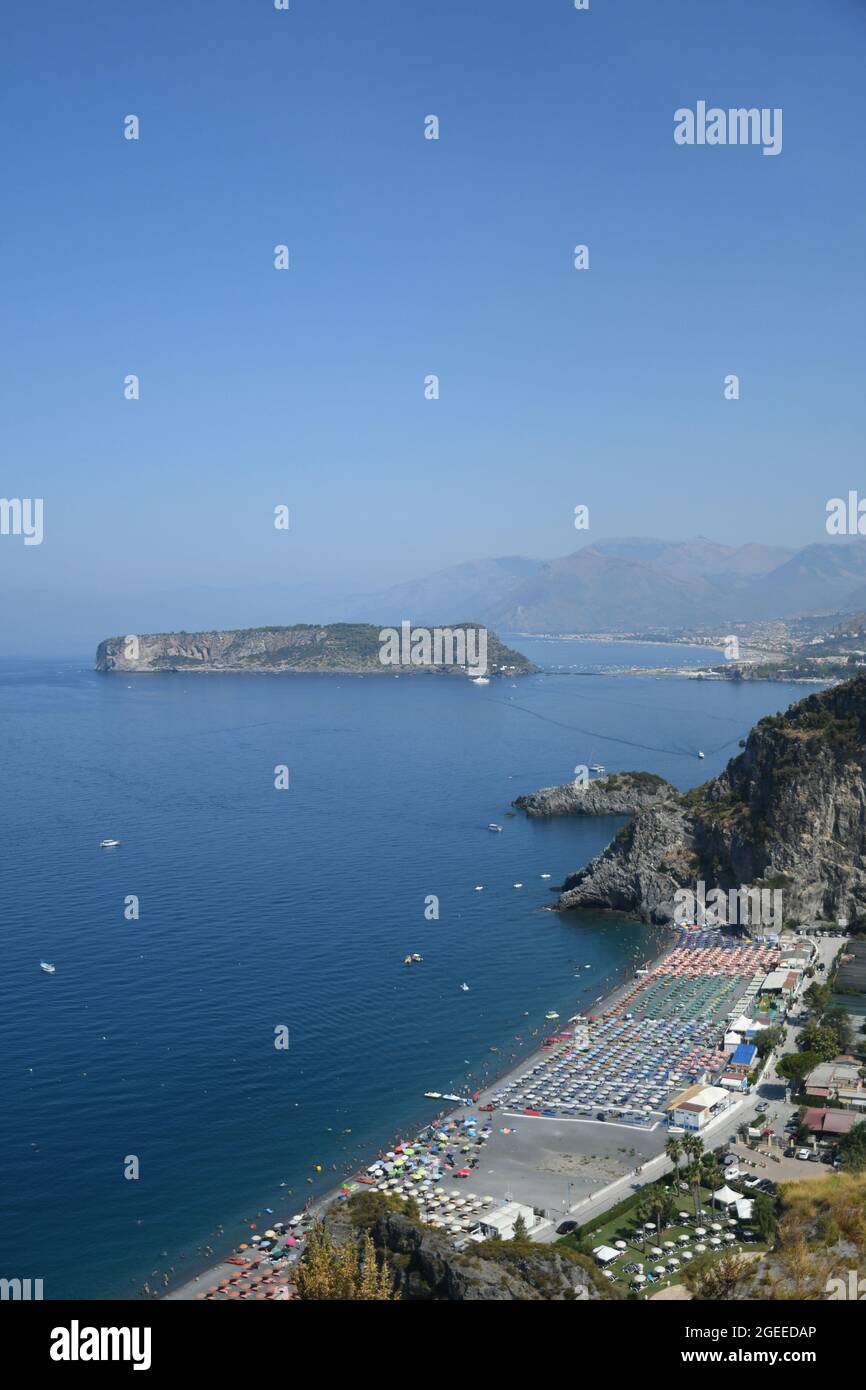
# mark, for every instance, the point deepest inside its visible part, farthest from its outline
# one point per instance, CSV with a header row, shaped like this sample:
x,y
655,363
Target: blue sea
x,y
262,909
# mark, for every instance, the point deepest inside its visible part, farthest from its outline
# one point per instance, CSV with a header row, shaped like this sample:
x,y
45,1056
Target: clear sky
x,y
409,257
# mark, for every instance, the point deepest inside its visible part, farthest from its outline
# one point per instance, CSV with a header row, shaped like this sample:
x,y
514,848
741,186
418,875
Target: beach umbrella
x,y
620,1245
656,1251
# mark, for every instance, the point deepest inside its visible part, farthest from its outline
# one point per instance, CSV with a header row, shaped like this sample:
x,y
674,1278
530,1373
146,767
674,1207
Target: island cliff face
x,y
788,813
335,649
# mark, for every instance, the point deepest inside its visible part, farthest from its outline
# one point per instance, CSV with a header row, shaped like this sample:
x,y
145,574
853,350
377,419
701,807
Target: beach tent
x,y
726,1197
744,1208
604,1254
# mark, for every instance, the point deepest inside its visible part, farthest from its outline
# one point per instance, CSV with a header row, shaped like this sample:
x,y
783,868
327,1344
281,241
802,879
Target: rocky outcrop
x,y
426,1266
789,813
338,649
618,794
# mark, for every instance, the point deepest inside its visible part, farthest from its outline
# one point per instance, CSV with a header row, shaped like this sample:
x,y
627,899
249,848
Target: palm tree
x,y
711,1172
694,1148
674,1151
643,1214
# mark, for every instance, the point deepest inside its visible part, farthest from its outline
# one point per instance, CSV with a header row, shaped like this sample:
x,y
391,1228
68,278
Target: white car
x,y
803,1153
732,1172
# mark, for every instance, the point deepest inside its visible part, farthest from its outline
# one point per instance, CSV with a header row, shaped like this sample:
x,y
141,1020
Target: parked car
x,y
732,1173
815,1158
753,1181
765,1185
790,1152
803,1154
566,1228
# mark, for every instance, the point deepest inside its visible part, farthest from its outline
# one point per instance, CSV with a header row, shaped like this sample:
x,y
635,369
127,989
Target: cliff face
x,y
788,813
339,648
621,793
426,1266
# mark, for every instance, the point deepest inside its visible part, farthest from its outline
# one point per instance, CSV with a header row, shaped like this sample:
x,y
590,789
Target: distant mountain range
x,y
635,584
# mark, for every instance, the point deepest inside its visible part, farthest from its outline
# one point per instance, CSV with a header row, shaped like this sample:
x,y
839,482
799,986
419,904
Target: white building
x,y
501,1222
693,1109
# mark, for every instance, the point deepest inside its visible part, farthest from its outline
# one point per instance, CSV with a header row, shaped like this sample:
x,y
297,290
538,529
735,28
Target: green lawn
x,y
624,1228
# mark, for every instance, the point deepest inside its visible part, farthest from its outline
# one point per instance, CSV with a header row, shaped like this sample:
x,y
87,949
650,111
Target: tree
x,y
674,1151
795,1065
824,1041
519,1229
768,1040
713,1277
764,1216
839,1022
694,1148
341,1272
852,1148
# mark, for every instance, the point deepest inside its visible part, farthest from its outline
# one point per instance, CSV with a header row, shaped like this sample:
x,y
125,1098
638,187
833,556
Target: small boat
x,y
416,957
545,875
465,989
407,960
47,967
480,680
497,829
517,885
479,887
434,1095
108,844
551,1014
599,768
700,754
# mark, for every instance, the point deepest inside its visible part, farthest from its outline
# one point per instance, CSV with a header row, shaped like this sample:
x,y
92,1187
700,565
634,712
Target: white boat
x,y
700,754
434,1095
517,885
480,680
545,875
493,826
599,768
108,844
47,967
465,989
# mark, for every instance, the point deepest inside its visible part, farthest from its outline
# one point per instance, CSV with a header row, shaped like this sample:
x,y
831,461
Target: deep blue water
x,y
262,908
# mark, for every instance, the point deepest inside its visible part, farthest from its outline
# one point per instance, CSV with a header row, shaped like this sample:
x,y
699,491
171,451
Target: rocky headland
x,y
788,813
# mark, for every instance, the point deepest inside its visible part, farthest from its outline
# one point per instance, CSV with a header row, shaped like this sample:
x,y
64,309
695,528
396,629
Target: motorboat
x,y
465,989
494,827
47,967
108,844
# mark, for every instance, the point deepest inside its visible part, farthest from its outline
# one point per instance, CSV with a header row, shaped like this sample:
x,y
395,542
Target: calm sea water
x,y
261,908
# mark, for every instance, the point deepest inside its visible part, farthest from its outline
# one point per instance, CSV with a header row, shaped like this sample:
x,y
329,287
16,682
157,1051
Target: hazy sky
x,y
410,257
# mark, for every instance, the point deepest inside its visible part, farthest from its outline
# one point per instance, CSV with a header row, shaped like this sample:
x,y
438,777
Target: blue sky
x,y
411,257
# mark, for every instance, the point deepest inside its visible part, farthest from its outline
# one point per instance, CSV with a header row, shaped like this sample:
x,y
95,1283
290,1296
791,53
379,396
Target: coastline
x,y
216,1270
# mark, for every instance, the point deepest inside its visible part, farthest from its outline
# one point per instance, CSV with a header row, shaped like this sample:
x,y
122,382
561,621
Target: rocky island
x,y
788,813
307,648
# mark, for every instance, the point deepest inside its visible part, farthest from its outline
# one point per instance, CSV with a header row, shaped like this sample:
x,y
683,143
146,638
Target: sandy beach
x,y
550,1164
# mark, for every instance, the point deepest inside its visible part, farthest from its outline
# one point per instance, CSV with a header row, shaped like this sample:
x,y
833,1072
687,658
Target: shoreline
x,y
214,1271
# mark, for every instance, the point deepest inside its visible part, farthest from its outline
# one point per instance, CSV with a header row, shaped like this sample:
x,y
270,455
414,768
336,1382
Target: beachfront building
x,y
782,983
694,1108
501,1222
838,1080
830,1124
